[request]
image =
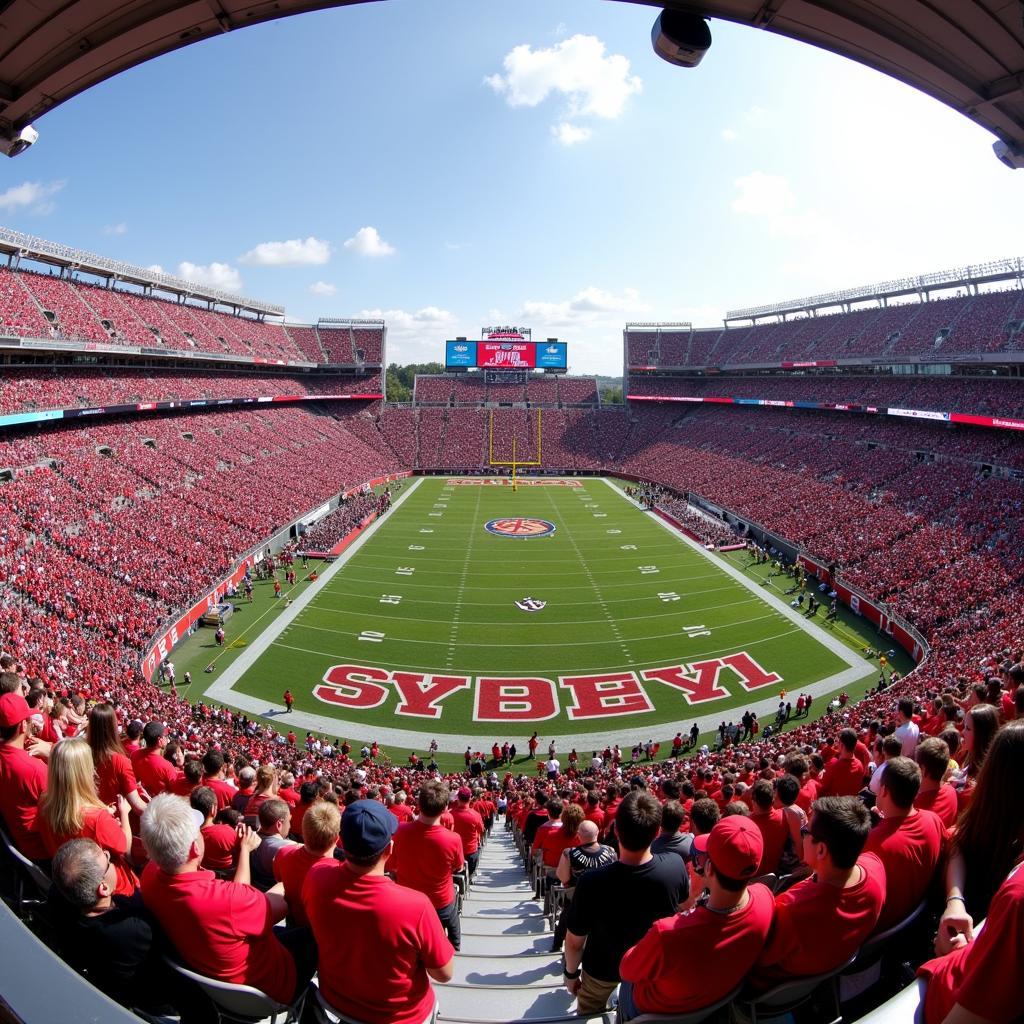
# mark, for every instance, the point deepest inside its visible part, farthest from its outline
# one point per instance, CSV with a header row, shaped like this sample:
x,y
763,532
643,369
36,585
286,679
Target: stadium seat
x,y
324,1013
866,970
241,1004
789,995
31,883
693,1017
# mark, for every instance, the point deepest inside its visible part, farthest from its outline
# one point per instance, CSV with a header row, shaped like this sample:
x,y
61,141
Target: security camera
x,y
1012,156
14,142
681,38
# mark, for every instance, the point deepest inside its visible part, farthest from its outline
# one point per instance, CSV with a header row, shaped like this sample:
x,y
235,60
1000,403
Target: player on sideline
x,y
289,700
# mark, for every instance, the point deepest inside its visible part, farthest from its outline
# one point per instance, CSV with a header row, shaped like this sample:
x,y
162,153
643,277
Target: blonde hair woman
x,y
71,809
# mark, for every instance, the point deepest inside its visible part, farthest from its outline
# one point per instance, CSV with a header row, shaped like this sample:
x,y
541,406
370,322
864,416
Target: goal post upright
x,y
516,462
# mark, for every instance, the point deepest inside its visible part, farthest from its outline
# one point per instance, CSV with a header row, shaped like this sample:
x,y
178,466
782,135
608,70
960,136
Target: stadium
x,y
770,597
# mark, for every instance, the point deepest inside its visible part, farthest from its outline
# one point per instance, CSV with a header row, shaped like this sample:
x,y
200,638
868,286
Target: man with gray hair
x,y
223,930
109,937
246,787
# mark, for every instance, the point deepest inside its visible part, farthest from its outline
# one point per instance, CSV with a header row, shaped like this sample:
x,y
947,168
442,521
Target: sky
x,y
454,164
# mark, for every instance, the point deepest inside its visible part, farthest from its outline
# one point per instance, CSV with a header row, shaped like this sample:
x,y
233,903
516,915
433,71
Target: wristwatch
x,y
572,975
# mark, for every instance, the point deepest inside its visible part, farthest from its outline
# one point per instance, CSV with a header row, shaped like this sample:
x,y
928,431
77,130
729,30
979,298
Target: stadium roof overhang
x,y
967,53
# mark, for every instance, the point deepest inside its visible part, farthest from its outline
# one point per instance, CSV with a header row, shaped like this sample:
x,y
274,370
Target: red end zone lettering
x,y
698,682
605,696
752,676
349,686
514,700
420,694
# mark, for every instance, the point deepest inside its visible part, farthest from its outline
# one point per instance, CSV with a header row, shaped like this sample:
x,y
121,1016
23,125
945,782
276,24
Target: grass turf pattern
x,y
433,592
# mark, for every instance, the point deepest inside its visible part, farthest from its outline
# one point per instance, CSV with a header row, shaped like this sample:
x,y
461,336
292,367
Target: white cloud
x,y
770,199
569,134
155,268
586,306
593,82
296,252
730,134
417,336
322,288
367,242
34,196
115,229
213,275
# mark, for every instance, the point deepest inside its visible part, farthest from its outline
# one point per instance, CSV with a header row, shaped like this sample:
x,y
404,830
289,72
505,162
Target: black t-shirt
x,y
614,906
583,859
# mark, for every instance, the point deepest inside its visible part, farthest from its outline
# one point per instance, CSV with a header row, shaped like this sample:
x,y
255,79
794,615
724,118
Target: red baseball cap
x,y
13,710
734,846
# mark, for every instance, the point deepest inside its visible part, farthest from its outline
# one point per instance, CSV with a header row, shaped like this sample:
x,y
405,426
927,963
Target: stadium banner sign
x,y
506,355
920,414
1003,422
510,699
504,481
460,354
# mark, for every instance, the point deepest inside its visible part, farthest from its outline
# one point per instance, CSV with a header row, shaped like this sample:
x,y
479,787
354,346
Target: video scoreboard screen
x,y
505,355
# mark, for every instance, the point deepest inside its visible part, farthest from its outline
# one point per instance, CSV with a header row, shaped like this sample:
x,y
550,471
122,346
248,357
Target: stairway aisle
x,y
506,971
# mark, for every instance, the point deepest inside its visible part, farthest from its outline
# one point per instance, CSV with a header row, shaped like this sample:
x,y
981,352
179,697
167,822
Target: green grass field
x,y
429,599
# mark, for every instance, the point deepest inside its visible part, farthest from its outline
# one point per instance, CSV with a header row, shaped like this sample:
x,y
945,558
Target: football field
x,y
471,613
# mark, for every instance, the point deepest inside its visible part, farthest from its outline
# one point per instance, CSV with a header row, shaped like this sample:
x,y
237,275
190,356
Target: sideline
x,y
223,688
634,726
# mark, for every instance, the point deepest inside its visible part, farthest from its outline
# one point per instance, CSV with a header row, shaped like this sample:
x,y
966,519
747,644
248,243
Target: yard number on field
x,y
404,570
372,635
390,598
648,569
668,595
695,631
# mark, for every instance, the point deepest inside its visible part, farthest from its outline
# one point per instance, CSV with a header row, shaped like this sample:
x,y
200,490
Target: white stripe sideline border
x,y
223,689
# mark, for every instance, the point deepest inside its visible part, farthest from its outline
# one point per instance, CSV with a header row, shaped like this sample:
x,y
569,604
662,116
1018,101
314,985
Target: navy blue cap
x,y
367,827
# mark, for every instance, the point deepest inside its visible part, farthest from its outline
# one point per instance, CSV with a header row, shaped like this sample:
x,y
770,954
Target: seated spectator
x,y
114,770
426,855
275,823
935,793
891,747
22,777
152,769
694,959
321,826
71,809
470,827
988,842
223,930
220,841
380,943
613,906
787,792
266,789
770,823
980,725
907,841
844,774
246,788
670,839
978,979
840,903
112,938
214,777
561,838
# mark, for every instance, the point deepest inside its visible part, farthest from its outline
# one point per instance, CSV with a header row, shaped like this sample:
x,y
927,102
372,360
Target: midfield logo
x,y
520,527
530,604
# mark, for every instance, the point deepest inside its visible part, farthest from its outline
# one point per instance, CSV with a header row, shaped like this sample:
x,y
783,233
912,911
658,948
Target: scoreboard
x,y
505,355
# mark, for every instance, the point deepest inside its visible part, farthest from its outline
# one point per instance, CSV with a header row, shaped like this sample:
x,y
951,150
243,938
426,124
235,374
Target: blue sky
x,y
449,164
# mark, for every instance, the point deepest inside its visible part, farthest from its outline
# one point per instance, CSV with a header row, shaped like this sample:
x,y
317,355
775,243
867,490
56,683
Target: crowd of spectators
x,y
964,324
348,516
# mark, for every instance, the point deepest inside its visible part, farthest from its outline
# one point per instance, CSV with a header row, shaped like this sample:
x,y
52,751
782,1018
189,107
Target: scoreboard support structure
x,y
516,463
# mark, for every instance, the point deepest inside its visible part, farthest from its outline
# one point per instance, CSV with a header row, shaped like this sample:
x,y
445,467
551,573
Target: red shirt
x,y
774,831
942,801
910,848
596,815
220,929
843,777
116,777
469,825
554,841
811,913
376,941
22,783
289,796
99,825
223,790
403,812
221,842
424,859
154,771
291,866
808,794
983,976
696,958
